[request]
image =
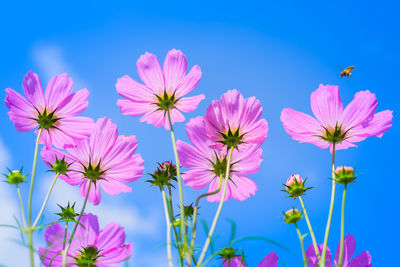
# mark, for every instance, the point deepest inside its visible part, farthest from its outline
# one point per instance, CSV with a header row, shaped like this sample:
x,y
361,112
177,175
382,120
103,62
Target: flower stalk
x,y
45,201
301,237
221,203
168,222
314,240
340,262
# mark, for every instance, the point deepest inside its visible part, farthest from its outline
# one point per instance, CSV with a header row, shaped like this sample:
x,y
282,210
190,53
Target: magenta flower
x,y
164,89
54,110
207,164
233,121
271,260
362,260
335,125
107,159
90,246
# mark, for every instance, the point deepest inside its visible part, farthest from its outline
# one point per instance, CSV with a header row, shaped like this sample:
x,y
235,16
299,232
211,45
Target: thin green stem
x,y
315,244
328,225
168,222
178,171
196,208
177,239
221,203
21,203
65,252
45,200
65,235
302,245
30,231
342,228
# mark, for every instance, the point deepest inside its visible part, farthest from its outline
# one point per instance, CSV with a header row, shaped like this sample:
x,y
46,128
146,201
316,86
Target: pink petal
x,y
49,254
362,260
135,109
190,157
86,233
81,151
115,255
94,194
112,235
327,105
214,186
360,110
242,187
348,250
150,72
312,259
380,123
197,178
54,236
189,82
248,160
103,138
113,187
74,104
302,127
33,90
175,67
158,118
197,134
271,260
77,127
257,133
189,104
22,113
58,88
235,262
176,116
132,90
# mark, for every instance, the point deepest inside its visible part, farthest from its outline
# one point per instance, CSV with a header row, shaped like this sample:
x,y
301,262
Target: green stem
x,y
342,228
65,235
65,252
22,207
177,239
221,203
178,171
328,225
302,246
196,208
30,234
315,244
45,201
168,222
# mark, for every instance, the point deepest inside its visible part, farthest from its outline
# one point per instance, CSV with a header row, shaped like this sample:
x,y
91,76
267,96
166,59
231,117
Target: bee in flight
x,y
346,72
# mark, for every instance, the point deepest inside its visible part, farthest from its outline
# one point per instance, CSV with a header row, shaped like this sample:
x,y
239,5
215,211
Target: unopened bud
x,y
344,175
15,177
294,186
292,216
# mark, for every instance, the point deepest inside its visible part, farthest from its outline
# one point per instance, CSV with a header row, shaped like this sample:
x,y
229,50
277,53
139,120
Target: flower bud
x,y
60,166
344,175
292,216
15,177
67,214
164,174
228,253
189,211
294,186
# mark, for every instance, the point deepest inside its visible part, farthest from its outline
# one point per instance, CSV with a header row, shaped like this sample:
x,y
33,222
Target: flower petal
x,y
112,235
132,90
175,67
348,250
302,127
327,105
380,123
86,232
242,187
58,88
54,236
114,187
235,262
190,157
102,139
48,255
214,186
360,110
150,72
271,260
94,194
158,118
197,178
312,259
74,104
135,109
248,160
362,260
33,90
189,104
22,113
189,82
115,255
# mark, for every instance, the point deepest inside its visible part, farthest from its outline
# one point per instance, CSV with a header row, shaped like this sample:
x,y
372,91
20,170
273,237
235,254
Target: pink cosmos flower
x,y
292,180
90,246
163,89
107,159
233,121
207,164
271,260
362,260
333,124
54,110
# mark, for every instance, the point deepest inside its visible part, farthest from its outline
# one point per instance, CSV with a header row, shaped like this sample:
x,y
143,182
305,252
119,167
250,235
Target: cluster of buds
x,y
15,177
292,216
294,186
164,174
344,175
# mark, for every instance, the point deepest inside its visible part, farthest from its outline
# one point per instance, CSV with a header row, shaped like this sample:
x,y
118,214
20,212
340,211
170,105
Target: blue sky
x,y
278,51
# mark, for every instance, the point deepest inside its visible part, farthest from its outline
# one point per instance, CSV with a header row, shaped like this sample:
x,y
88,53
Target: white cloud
x,y
50,60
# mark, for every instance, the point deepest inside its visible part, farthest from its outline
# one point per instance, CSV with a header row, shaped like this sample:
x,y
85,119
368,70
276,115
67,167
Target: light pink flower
x,y
90,246
107,159
233,121
292,180
53,110
163,89
207,164
333,124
